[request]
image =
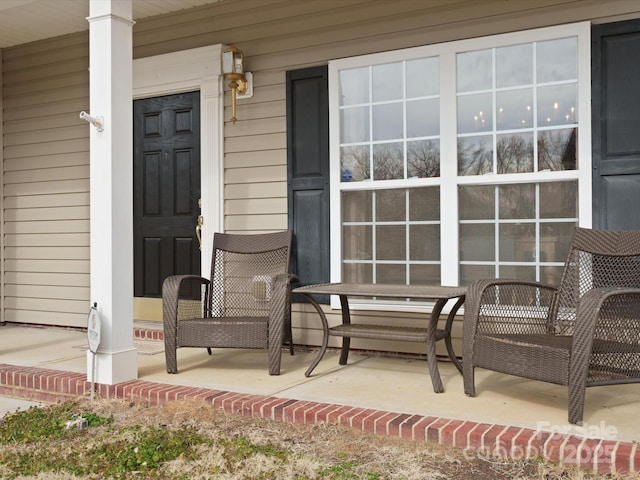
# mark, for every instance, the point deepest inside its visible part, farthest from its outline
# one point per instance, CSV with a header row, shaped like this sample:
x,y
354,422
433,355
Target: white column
x,y
111,184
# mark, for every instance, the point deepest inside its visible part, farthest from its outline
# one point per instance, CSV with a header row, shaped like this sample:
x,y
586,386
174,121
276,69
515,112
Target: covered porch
x,y
389,395
58,215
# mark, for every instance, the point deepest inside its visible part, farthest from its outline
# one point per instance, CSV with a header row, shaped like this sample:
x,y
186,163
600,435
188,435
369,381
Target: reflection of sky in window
x,y
557,60
474,70
423,77
514,66
475,113
354,125
557,105
387,82
515,109
423,118
387,121
354,86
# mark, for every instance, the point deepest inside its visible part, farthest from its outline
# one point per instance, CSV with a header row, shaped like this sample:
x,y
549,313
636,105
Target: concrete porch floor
x,y
369,383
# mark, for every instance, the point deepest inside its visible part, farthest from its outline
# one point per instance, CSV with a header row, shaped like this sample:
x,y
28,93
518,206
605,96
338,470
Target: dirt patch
x,y
320,451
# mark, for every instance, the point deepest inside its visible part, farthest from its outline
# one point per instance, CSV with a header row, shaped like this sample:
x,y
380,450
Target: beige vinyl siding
x,y
46,160
277,36
46,182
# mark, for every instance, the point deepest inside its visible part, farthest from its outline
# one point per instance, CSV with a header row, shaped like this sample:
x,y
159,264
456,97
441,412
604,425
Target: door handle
x,y
199,230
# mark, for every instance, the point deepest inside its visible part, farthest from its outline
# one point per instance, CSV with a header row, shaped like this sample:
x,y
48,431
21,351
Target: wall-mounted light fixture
x,y
233,70
95,121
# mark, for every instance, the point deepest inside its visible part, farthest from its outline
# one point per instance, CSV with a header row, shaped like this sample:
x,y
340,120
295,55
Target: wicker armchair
x,y
246,304
584,332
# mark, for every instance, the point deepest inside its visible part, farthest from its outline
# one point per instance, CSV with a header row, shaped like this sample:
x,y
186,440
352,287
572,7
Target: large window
x,y
460,161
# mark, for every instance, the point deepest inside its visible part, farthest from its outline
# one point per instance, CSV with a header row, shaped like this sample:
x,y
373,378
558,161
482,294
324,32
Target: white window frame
x,y
449,180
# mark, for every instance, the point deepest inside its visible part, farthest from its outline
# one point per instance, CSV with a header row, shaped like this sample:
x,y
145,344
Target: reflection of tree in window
x,y
388,162
423,159
514,154
356,159
475,157
557,150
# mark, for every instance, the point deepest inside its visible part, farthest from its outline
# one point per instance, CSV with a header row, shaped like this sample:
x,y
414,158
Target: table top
x,y
383,290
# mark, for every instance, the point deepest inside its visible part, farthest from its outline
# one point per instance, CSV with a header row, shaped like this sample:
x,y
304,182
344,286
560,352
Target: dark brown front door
x,y
166,186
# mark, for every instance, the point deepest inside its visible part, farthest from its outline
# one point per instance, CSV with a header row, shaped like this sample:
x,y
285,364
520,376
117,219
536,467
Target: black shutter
x,y
308,173
615,119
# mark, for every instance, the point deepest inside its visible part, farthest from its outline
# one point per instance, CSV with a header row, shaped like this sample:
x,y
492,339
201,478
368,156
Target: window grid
x,y
374,223
580,176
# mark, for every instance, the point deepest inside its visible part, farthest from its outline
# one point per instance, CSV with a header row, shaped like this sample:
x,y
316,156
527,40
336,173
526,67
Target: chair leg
x,y
274,360
288,334
209,350
170,354
576,402
468,376
288,339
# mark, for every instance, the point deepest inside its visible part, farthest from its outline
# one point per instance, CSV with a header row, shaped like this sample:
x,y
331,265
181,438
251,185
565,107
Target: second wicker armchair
x,y
584,332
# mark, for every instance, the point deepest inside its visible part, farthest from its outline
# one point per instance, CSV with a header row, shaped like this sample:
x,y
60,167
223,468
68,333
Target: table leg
x,y
346,320
431,345
325,334
447,333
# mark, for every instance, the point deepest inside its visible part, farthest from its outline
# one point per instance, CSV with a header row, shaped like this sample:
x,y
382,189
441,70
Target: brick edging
x,y
144,333
476,439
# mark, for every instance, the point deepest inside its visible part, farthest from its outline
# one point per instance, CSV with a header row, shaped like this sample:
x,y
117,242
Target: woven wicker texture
x,y
246,304
584,332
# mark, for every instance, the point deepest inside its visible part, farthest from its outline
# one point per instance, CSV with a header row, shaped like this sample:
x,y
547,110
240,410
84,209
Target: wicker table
x,y
348,330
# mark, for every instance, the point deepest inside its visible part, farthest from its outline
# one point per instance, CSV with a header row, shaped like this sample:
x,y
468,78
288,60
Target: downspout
x,y
2,318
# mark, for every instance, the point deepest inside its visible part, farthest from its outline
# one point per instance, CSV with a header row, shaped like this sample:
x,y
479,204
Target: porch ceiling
x,y
24,21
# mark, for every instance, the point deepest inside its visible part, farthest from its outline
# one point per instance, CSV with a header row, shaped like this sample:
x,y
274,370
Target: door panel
x,y
166,190
616,116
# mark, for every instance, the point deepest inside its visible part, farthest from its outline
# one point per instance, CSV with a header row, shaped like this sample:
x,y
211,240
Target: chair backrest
x,y
242,267
597,258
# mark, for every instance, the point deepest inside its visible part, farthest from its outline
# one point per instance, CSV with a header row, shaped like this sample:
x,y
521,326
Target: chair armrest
x,y
610,313
170,296
606,344
507,306
502,306
607,321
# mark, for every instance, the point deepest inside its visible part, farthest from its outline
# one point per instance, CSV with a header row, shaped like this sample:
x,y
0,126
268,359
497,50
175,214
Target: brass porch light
x,y
233,71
